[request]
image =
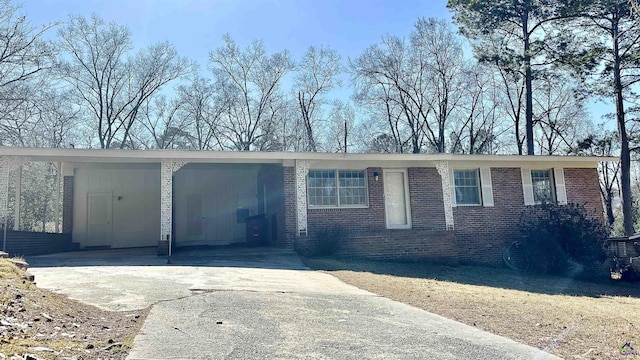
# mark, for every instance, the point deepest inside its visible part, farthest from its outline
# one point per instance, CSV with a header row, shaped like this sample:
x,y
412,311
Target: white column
x,y
58,172
443,170
167,168
16,208
302,169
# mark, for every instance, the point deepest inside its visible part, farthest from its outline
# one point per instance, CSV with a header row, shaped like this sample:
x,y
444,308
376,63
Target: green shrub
x,y
328,240
562,239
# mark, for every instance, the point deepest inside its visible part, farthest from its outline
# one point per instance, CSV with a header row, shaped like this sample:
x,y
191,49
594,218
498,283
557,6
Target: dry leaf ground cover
x,y
569,318
50,326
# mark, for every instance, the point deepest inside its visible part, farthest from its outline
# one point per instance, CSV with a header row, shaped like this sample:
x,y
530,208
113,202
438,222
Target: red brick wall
x,y
583,188
483,232
67,205
355,219
411,244
289,180
367,233
427,205
25,243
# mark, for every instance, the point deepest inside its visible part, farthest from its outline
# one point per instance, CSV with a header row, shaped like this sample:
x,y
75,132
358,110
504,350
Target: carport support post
x,y
167,168
447,192
16,207
302,170
58,179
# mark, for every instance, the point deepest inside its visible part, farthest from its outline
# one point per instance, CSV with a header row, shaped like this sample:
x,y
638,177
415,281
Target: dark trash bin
x,y
256,230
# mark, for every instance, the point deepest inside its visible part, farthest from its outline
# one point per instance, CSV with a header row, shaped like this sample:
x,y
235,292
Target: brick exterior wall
x,y
371,218
481,233
407,244
583,188
25,243
427,204
67,205
289,175
484,232
367,235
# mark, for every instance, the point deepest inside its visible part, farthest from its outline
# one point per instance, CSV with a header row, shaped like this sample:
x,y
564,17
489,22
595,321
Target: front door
x,y
396,199
100,219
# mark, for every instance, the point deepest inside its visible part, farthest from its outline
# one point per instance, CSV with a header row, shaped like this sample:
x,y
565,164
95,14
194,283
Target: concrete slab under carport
x,y
254,306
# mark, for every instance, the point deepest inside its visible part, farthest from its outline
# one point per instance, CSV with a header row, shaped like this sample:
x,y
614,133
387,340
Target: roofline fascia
x,y
87,155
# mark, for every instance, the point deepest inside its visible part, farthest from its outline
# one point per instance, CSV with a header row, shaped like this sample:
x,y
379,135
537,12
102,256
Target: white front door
x,y
396,199
100,219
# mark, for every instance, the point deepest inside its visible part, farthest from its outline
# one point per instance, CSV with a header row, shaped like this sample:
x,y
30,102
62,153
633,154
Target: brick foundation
x,y
426,245
25,243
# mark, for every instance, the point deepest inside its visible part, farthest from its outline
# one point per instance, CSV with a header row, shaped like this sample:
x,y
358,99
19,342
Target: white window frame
x,y
478,186
337,188
558,185
485,186
552,186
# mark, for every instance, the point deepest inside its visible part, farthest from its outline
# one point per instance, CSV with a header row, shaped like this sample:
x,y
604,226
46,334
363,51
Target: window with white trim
x,y
337,188
542,183
467,187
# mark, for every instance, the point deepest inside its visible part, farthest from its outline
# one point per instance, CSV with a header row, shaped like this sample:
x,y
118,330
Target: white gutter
x,y
102,155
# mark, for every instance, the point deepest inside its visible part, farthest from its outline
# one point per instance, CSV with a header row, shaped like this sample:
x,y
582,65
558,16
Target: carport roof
x,y
154,156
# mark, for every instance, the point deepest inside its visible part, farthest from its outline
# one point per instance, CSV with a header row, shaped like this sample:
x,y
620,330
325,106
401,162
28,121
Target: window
x,y
467,187
542,182
337,188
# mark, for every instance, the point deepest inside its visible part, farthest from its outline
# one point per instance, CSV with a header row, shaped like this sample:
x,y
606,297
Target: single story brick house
x,y
440,207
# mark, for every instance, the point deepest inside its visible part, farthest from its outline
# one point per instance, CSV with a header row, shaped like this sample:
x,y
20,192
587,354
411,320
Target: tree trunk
x,y
527,79
609,208
625,156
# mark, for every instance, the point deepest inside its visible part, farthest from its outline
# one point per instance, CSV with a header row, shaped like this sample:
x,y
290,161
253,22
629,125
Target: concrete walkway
x,y
254,306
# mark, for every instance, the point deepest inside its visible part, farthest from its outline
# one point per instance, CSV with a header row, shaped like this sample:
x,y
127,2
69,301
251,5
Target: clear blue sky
x,y
195,27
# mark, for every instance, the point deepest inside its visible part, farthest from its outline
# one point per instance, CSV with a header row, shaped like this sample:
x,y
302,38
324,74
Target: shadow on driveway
x,y
254,257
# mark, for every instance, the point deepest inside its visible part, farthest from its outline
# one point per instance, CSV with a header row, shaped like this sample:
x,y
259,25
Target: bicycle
x,y
516,257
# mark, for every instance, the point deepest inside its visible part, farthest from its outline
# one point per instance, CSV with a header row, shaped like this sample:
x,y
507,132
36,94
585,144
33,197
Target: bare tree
x,y
203,106
110,84
316,75
387,72
340,127
436,43
480,125
250,79
161,125
419,83
24,58
561,117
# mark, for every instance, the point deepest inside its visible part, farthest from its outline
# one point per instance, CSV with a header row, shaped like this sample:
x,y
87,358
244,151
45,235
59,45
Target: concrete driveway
x,y
256,306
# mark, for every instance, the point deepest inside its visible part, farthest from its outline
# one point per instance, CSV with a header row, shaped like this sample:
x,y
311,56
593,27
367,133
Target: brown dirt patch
x,y
51,326
568,318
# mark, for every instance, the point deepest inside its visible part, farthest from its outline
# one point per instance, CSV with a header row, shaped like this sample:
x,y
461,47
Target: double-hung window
x,y
337,188
467,187
542,182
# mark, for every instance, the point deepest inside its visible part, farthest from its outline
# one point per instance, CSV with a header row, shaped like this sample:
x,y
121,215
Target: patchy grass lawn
x,y
51,326
568,318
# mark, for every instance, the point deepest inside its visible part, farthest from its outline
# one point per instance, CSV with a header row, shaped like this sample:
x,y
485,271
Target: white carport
x,y
109,185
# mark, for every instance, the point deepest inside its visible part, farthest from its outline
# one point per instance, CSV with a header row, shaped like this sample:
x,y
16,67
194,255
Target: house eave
x,y
154,156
